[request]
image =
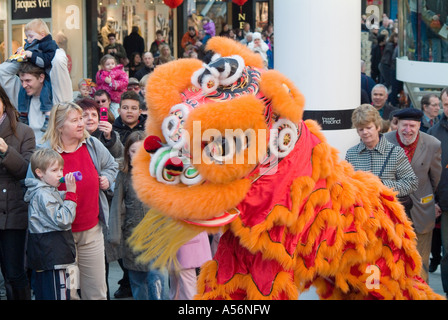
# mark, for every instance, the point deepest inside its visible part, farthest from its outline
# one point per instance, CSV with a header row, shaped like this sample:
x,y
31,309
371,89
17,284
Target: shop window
x,y
65,21
120,16
216,10
3,32
262,14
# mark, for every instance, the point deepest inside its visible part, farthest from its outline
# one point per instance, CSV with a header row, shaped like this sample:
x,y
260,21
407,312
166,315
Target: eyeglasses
x,y
101,101
134,87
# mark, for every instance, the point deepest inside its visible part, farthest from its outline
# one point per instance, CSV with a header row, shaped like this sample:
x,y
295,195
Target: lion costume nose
x,y
152,144
173,166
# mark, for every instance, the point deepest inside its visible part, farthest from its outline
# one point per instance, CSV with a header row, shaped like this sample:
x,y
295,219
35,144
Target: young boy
x,y
130,116
85,87
50,248
40,49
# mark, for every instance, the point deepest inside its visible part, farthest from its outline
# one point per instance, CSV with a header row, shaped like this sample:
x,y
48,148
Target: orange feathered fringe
x,y
342,226
370,229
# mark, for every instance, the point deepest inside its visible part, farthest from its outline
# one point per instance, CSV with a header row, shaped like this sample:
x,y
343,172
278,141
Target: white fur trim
x,y
241,65
188,180
276,145
216,56
195,77
154,161
205,80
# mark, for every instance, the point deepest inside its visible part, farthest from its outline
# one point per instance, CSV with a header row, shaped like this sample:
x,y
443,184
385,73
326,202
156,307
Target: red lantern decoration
x,y
173,3
239,2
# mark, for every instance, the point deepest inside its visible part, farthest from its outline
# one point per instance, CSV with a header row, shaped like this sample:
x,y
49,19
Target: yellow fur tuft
x,y
158,238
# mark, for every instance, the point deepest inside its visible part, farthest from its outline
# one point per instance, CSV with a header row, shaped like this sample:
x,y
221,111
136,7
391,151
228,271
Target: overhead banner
x,y
30,9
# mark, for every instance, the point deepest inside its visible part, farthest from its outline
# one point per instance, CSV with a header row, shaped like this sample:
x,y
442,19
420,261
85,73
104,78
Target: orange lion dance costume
x,y
291,212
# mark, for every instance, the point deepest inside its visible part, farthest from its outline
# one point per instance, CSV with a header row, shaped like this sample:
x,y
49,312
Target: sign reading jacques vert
x,y
30,9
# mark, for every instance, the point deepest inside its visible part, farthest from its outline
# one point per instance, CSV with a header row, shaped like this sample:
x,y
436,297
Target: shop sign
x,y
241,14
30,9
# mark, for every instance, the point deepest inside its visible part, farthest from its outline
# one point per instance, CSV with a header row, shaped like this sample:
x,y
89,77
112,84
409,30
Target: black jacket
x,y
134,43
124,130
13,169
440,131
143,72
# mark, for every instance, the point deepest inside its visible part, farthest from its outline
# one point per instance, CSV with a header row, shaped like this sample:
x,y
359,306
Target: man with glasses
x,y
102,98
430,107
138,87
134,85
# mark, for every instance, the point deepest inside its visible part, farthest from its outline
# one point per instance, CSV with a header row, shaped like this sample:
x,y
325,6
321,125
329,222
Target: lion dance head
x,y
209,135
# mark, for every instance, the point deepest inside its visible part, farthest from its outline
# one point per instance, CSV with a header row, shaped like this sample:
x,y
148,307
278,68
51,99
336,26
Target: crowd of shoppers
x,y
97,130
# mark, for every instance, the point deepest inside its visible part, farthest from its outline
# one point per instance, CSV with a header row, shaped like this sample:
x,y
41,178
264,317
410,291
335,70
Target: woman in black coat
x,y
17,144
377,54
386,61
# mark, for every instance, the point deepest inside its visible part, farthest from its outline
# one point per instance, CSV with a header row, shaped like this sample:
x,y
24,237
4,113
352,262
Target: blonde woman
x,y
67,135
376,154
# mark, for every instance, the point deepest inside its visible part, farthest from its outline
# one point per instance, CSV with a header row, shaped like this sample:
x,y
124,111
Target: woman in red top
x,y
67,135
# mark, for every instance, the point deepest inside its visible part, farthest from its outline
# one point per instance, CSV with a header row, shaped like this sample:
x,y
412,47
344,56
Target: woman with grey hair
x,y
67,135
376,154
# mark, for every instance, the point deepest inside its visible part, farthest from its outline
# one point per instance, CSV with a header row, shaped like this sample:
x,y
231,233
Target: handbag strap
x,y
386,161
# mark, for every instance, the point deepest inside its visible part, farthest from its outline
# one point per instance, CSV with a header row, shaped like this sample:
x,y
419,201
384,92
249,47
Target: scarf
x,y
410,149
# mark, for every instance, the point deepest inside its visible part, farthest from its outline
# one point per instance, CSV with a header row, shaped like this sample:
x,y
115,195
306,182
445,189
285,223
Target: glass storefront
x,y
71,23
120,16
425,30
216,10
64,19
3,31
68,31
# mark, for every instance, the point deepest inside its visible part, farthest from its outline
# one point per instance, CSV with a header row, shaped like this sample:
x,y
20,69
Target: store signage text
x,y
27,9
242,19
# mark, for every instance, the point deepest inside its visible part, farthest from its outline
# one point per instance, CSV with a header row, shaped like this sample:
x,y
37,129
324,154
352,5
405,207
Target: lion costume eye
x,y
221,150
173,126
285,136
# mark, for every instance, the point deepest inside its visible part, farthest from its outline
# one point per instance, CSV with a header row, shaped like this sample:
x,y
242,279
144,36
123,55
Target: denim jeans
x,y
420,43
151,285
439,49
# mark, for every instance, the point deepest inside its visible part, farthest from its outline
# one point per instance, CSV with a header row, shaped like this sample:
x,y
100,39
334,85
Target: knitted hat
x,y
256,35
